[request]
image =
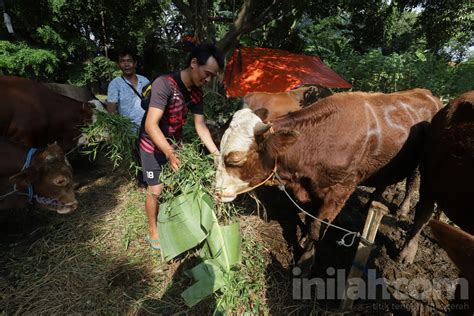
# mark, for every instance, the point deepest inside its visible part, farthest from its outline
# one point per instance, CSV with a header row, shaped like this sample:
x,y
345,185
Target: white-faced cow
x,y
42,177
34,115
324,151
282,103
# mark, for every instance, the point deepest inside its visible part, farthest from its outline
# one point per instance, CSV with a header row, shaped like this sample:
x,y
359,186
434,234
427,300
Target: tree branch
x,y
185,9
246,22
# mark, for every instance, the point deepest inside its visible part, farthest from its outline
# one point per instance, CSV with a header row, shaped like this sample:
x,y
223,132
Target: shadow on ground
x,y
62,264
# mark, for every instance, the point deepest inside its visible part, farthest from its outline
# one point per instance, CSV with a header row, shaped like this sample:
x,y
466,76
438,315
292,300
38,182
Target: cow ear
x,y
25,177
279,142
262,113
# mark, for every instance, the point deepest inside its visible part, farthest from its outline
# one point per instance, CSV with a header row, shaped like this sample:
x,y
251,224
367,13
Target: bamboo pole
x,y
374,216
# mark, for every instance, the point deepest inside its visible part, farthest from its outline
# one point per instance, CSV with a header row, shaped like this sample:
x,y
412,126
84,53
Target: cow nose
x,y
74,205
68,207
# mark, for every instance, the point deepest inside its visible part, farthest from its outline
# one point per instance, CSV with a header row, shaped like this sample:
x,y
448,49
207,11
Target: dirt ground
x,y
282,230
279,228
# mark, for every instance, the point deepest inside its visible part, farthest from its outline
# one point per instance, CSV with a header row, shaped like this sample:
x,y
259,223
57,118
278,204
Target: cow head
x,y
50,175
248,153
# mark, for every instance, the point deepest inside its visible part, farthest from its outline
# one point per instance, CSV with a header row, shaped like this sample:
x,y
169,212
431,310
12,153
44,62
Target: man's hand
x,y
112,108
173,159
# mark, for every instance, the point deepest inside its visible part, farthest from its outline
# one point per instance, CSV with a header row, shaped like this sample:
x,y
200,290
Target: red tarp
x,y
253,69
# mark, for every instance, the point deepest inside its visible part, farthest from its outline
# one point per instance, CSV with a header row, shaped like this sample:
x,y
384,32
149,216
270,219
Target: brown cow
x,y
460,248
34,115
447,170
324,151
46,180
282,103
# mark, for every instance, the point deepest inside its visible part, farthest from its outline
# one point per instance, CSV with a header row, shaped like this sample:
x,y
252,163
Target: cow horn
x,y
261,128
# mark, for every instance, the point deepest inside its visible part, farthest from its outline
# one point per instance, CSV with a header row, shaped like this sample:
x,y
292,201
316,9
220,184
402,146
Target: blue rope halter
x,y
27,163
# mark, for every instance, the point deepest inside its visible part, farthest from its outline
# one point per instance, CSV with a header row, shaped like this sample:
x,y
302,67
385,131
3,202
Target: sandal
x,y
154,243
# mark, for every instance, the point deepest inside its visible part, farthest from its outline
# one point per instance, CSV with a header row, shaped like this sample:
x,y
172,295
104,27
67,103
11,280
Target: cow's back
x,y
371,137
278,104
32,114
448,164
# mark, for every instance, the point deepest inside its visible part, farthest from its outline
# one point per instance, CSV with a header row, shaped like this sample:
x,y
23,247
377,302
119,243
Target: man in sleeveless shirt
x,y
172,96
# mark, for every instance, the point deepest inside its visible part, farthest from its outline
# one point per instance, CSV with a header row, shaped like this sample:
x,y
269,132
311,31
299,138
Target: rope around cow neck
x,y
9,193
342,241
30,192
261,183
281,186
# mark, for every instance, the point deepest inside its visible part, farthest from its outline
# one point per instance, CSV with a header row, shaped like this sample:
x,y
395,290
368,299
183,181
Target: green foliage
x,y
374,71
196,169
246,284
20,59
218,107
329,38
444,20
463,77
114,135
49,36
99,69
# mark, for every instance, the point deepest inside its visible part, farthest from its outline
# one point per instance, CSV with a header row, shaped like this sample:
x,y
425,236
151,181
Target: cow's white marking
x,y
409,110
373,130
388,118
425,114
436,103
238,137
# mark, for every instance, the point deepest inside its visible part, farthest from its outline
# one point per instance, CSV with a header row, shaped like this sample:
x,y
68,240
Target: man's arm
x,y
153,117
204,134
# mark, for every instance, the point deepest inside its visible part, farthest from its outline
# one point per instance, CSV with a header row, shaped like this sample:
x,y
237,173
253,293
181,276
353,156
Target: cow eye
x,y
235,158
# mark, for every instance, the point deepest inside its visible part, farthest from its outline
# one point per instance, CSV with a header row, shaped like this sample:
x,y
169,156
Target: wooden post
x,y
374,216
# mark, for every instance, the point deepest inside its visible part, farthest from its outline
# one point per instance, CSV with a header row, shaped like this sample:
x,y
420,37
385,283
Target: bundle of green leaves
x,y
196,170
114,135
189,218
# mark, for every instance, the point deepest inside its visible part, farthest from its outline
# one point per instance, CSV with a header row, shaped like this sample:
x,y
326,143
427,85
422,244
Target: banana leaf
x,y
179,223
209,278
185,222
223,245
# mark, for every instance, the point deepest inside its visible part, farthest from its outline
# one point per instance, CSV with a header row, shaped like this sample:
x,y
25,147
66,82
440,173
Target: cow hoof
x,y
407,255
306,261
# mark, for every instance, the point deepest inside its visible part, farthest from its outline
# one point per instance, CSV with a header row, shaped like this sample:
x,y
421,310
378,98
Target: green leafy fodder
x,y
114,135
188,217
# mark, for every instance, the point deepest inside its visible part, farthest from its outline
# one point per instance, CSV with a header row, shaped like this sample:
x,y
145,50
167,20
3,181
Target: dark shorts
x,y
151,166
